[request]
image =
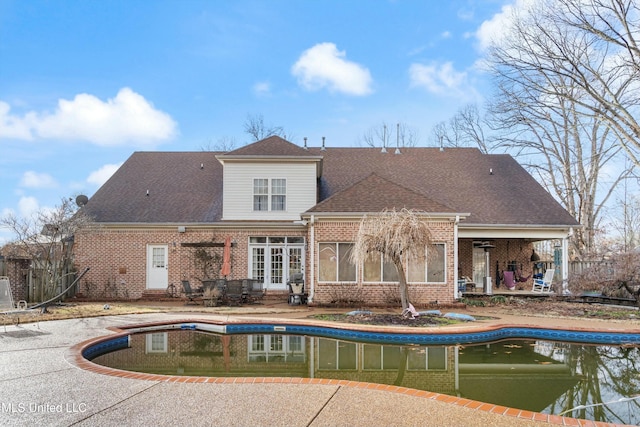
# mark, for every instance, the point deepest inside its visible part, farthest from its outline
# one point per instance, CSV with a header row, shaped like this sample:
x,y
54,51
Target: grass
x,y
74,311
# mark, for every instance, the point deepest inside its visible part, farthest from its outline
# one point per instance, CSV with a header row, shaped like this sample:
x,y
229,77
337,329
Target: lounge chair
x,y
509,279
190,293
544,284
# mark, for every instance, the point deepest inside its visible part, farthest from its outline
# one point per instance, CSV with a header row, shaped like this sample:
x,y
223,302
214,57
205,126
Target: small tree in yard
x,y
400,236
46,238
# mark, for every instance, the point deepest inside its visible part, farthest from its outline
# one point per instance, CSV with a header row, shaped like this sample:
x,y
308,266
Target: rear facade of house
x,y
163,217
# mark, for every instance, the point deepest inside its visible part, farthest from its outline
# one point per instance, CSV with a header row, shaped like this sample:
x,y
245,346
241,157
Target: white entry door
x,y
157,266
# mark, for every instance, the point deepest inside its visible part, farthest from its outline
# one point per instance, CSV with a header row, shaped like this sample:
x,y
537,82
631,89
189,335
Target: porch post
x,y
565,265
456,292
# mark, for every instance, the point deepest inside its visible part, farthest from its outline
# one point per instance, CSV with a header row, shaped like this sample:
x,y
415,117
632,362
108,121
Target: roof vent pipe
x,y
384,139
323,144
398,139
305,142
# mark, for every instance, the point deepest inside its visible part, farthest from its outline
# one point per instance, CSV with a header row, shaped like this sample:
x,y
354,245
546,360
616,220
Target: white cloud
x,y
493,30
33,179
101,175
27,206
127,118
324,66
12,126
441,79
262,88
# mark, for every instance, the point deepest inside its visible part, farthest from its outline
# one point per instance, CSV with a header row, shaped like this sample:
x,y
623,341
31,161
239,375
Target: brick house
x,y
163,218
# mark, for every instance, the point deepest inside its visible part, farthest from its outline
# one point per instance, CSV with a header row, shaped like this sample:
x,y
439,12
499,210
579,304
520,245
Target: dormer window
x,y
269,194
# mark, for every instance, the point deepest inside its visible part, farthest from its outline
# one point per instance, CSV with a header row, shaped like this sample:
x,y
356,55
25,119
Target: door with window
x,y
157,266
275,259
479,265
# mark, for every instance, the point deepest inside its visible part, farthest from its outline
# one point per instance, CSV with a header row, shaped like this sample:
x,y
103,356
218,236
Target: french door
x,y
275,259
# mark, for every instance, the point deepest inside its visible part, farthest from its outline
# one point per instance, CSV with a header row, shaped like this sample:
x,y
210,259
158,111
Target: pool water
x,y
551,377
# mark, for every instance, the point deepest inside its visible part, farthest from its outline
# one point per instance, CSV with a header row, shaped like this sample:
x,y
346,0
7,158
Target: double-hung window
x,y
260,194
269,194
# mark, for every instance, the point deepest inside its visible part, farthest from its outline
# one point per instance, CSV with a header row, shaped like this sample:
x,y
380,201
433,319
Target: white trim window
x,y
260,194
334,262
427,358
335,354
279,194
380,357
269,194
432,269
156,342
276,348
377,269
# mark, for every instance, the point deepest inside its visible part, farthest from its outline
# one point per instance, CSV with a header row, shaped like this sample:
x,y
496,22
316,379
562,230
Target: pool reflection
x,y
540,376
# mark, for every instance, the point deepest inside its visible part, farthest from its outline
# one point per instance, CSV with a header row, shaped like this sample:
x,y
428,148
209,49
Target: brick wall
x,y
118,257
383,294
505,252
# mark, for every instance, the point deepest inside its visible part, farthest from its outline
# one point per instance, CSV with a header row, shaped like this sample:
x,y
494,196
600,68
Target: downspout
x,y
455,258
565,262
312,254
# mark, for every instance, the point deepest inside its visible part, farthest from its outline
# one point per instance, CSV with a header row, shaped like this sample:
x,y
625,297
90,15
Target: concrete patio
x,y
42,384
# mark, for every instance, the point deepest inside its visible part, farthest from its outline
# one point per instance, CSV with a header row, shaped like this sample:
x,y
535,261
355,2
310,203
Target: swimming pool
x,y
465,364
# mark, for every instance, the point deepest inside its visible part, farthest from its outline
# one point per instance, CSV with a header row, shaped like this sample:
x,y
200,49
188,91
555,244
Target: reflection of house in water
x,y
425,368
520,374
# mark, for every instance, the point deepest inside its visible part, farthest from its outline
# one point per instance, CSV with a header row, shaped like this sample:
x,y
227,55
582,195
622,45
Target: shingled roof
x,y
273,146
183,187
493,188
186,187
375,194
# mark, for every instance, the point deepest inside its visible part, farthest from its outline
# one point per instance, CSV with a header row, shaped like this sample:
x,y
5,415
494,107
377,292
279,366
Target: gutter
x,y
312,255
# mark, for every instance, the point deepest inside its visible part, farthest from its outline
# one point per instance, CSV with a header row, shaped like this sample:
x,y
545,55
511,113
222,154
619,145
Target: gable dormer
x,y
269,180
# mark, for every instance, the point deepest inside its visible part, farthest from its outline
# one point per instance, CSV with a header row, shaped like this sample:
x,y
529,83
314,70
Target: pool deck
x,y
44,381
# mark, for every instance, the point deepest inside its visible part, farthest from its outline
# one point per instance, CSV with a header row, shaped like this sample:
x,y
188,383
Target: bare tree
x,y
223,144
401,135
591,47
627,224
550,116
46,237
400,236
255,127
467,128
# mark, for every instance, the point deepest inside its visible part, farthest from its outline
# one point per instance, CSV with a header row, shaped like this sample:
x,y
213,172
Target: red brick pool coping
x,y
74,356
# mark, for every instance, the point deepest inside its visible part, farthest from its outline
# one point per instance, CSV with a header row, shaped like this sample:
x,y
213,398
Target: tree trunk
x,y
402,284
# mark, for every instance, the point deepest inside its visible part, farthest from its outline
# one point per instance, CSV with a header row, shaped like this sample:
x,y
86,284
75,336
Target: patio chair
x,y
509,279
234,294
544,284
190,293
253,290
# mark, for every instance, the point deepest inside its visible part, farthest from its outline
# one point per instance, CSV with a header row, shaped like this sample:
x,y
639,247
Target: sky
x,y
84,84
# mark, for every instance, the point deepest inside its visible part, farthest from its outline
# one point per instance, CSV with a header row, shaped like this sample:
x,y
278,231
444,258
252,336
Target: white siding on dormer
x,y
238,189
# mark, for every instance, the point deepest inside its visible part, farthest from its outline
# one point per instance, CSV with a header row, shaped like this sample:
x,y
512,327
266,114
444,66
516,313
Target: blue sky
x,y
84,83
